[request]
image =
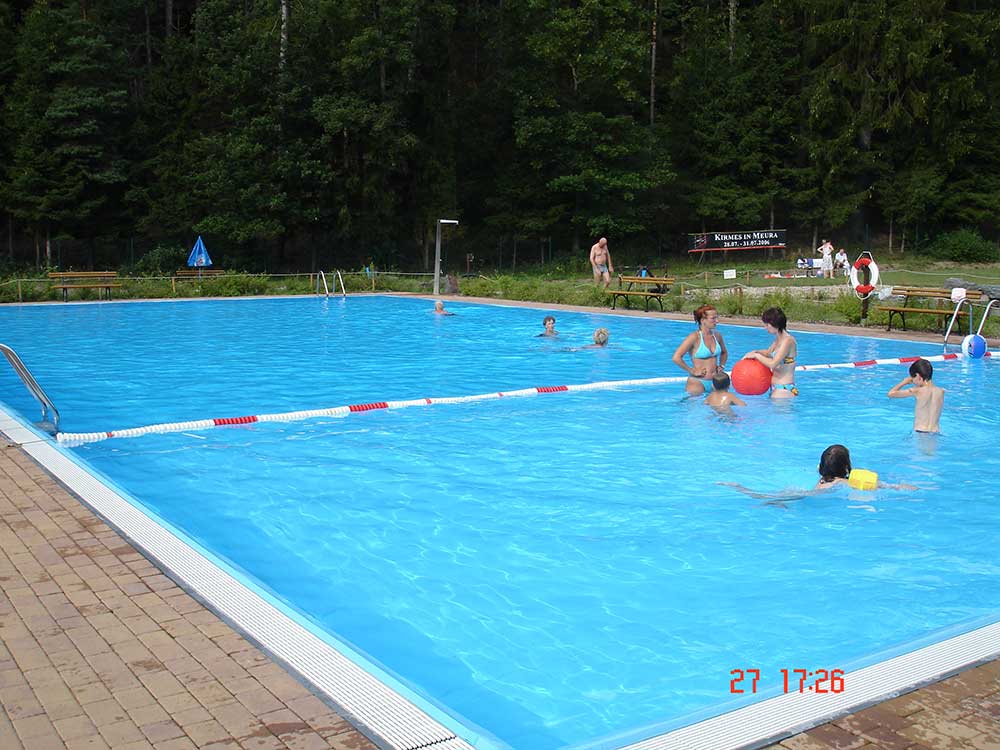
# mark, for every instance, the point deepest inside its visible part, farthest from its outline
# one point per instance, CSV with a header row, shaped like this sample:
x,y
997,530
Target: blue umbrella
x,y
199,256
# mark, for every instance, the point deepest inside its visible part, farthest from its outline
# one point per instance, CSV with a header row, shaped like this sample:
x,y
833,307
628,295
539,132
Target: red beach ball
x,y
750,377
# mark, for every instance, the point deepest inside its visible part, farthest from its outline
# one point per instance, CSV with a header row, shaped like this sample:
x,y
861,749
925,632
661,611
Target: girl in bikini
x,y
707,349
780,356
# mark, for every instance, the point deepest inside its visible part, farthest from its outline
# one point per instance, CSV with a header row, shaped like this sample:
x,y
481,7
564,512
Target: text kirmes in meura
x,y
746,239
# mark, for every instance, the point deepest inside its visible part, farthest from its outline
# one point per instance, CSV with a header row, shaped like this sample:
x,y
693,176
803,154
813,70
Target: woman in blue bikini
x,y
707,349
779,358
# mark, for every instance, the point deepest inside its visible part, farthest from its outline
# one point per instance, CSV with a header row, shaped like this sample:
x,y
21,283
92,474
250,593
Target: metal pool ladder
x,y
36,390
986,314
954,317
322,277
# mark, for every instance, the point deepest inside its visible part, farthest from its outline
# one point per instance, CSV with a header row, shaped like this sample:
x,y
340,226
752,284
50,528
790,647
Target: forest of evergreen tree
x,y
320,133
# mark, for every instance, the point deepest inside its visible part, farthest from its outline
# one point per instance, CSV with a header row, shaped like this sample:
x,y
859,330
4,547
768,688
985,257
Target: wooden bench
x,y
645,287
102,281
936,302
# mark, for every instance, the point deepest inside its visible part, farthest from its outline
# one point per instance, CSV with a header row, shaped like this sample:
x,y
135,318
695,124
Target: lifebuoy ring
x,y
869,270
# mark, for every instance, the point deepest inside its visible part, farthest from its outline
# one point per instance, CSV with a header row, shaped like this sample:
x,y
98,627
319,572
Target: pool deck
x,y
100,649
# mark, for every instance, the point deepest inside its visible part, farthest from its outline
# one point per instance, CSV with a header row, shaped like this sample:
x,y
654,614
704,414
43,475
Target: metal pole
x,y
437,260
437,254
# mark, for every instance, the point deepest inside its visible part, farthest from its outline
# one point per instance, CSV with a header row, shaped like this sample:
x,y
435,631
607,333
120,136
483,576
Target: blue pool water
x,y
563,570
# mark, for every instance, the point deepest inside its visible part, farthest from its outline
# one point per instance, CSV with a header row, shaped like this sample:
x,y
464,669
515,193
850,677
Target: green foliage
x,y
163,259
536,289
67,113
524,119
231,285
963,246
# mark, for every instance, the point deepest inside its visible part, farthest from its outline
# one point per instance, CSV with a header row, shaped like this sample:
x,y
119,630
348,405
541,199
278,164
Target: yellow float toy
x,y
862,479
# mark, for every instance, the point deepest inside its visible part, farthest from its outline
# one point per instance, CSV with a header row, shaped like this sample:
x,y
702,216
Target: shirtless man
x,y
928,398
600,259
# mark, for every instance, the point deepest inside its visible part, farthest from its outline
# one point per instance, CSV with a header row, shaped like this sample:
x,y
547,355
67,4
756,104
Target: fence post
x,y
739,300
19,291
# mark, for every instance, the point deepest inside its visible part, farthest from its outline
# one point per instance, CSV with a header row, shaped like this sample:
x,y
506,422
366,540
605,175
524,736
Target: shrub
x,y
162,260
963,246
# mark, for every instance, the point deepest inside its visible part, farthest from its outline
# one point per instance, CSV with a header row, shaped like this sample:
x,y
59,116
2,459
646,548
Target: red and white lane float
x,y
892,361
79,438
864,275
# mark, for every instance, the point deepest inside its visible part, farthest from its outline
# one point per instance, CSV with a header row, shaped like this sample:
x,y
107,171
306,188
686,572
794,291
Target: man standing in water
x,y
600,259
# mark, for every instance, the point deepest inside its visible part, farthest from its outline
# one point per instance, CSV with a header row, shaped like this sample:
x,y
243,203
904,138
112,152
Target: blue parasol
x,y
199,256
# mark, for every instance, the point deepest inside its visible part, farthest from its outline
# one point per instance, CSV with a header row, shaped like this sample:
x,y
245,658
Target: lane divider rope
x,y
80,438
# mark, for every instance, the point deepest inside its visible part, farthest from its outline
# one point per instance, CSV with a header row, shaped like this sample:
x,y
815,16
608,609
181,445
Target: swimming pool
x,y
561,570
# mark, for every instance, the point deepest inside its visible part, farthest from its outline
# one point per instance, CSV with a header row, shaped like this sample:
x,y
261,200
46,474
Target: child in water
x,y
834,466
928,399
834,470
550,326
720,397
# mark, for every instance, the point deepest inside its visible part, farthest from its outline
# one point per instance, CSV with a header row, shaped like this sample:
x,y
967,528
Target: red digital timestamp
x,y
793,680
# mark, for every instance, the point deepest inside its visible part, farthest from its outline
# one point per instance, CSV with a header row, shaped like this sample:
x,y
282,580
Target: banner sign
x,y
756,240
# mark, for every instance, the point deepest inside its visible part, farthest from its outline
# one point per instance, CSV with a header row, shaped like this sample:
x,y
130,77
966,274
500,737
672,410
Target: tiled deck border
x,y
101,650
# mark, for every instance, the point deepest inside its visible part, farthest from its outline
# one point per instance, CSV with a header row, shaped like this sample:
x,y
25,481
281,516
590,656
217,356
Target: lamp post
x,y
437,254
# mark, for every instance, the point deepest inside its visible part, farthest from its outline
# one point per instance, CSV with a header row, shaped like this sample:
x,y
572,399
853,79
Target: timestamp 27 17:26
x,y
793,680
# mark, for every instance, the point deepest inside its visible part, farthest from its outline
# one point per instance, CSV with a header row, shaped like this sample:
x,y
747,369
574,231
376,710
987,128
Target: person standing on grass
x,y
826,264
600,261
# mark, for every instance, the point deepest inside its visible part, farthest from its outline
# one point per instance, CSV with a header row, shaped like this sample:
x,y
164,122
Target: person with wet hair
x,y
834,466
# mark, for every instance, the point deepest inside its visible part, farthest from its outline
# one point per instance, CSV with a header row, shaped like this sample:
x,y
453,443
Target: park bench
x,y
102,281
926,301
644,287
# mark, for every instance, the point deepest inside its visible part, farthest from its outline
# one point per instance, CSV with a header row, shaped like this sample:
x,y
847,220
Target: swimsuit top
x,y
703,352
789,360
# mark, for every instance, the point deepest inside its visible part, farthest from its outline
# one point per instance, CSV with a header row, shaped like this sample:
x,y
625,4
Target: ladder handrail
x,y
341,279
986,314
322,276
32,384
954,317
